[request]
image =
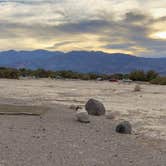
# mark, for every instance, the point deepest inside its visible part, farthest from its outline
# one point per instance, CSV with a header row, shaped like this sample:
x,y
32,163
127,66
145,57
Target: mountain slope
x,y
81,61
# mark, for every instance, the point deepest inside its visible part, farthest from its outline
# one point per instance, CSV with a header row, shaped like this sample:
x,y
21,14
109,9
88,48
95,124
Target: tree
x,y
137,75
151,74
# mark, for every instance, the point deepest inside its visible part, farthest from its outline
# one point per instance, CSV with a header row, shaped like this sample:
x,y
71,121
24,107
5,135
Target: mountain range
x,y
81,61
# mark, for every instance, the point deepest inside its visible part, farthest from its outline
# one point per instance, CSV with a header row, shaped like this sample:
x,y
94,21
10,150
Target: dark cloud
x,y
91,26
130,33
135,17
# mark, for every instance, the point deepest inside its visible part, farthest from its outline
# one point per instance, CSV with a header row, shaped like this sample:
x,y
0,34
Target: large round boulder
x,y
82,116
124,128
95,107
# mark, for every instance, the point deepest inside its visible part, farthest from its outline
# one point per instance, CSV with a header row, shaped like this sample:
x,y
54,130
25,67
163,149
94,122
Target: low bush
x,y
140,75
159,81
137,75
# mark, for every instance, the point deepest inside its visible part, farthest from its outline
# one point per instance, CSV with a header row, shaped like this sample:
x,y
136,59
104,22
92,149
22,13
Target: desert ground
x,y
55,138
146,110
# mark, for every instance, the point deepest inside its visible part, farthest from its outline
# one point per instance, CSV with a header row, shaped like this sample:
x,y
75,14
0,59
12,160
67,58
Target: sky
x,y
135,27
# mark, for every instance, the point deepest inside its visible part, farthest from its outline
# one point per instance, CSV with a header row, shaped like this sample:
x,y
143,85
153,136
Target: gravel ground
x,y
57,139
146,109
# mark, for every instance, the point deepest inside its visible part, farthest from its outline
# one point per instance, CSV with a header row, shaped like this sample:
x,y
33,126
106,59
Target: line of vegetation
x,y
159,81
137,75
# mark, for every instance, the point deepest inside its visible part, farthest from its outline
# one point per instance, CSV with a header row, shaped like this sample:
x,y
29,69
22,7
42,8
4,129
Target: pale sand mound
x,y
57,139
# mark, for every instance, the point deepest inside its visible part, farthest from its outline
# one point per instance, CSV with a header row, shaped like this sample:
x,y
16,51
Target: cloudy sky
x,y
130,26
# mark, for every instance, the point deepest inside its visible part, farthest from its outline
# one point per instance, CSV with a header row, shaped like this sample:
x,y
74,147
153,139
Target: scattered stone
x,y
6,147
75,107
112,115
115,155
78,107
82,116
44,129
72,107
97,130
95,107
124,128
137,88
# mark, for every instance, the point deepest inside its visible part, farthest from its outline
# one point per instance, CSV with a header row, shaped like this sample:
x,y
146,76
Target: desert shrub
x,y
9,73
125,76
159,81
117,76
68,74
41,73
85,77
137,75
140,75
25,72
151,74
93,76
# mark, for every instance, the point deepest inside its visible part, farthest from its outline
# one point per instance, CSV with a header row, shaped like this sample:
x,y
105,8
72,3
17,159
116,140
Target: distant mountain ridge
x,y
81,61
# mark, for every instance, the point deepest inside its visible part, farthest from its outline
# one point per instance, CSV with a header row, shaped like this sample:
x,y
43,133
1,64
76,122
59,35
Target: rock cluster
x,y
95,107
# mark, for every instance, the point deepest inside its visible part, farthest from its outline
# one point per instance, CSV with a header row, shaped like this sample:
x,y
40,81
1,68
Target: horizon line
x,y
66,52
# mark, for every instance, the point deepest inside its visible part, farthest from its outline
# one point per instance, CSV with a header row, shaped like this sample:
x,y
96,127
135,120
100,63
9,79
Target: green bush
x,y
9,73
159,81
151,74
138,75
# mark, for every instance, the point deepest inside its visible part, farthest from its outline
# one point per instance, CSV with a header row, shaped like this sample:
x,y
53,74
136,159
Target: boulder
x,y
82,116
95,107
124,128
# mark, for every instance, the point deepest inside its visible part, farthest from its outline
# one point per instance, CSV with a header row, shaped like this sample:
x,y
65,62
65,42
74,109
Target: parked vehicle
x,y
113,80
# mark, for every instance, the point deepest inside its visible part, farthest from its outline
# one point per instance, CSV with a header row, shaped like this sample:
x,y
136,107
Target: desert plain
x,y
146,109
55,138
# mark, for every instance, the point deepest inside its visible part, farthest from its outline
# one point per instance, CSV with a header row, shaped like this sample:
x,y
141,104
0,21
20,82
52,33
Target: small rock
x,y
43,129
115,155
97,130
95,107
6,147
72,107
82,116
75,107
124,128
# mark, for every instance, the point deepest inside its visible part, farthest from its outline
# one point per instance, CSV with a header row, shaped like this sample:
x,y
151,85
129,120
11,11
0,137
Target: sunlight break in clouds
x,y
132,26
160,35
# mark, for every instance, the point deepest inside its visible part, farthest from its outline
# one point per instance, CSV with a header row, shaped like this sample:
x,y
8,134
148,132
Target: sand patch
x,y
6,109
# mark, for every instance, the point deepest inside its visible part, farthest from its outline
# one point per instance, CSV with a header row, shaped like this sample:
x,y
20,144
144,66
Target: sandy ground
x,y
57,139
146,110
